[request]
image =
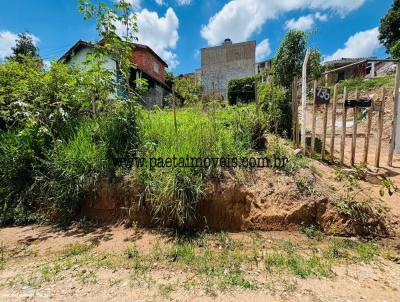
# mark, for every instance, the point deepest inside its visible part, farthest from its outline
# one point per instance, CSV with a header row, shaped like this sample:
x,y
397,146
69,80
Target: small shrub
x,y
312,231
241,90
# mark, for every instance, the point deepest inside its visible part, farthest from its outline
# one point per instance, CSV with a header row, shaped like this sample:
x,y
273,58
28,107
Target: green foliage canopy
x,y
389,30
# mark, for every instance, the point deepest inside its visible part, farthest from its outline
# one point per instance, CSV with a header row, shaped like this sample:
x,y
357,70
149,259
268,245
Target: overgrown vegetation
x,y
60,132
174,192
367,84
242,90
358,205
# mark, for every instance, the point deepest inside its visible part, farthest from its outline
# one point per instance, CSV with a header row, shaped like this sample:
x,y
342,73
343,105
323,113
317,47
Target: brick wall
x,y
147,61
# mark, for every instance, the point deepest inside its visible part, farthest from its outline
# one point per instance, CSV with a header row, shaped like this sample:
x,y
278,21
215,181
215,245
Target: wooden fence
x,y
346,106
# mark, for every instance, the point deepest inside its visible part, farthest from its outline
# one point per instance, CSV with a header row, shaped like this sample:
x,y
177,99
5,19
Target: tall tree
x,y
24,46
389,31
289,57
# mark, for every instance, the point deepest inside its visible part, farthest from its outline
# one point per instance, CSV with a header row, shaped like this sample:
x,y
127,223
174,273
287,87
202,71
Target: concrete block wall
x,y
223,63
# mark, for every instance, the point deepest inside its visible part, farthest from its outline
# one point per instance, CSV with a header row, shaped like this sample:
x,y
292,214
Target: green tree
x,y
117,27
389,30
188,89
395,50
289,57
24,46
314,65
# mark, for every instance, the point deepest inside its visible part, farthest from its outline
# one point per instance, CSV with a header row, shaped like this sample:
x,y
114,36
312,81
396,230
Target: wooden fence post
x,y
296,106
395,115
324,126
294,113
344,122
354,138
304,102
314,119
368,134
380,130
333,132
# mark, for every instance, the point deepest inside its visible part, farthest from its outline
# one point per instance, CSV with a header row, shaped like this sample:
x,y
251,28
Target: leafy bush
x,y
273,104
53,146
98,149
241,90
17,162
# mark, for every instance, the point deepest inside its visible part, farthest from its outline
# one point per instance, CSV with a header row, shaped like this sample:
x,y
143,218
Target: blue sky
x,y
177,29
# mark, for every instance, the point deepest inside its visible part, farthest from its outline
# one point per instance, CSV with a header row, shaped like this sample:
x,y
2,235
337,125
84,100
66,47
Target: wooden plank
x,y
296,113
395,116
380,128
354,139
324,126
314,120
368,134
304,101
333,132
344,120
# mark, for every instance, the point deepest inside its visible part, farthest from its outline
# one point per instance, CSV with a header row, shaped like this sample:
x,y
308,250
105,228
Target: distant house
x,y
225,62
358,67
148,65
261,66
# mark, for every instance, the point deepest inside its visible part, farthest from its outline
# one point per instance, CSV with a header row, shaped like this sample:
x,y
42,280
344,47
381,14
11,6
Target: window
x,y
156,67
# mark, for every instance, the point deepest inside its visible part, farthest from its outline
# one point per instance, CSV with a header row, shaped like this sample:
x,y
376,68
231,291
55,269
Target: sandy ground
x,y
33,246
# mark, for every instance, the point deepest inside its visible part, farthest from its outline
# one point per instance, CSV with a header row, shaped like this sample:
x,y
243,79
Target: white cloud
x,y
184,2
179,2
361,44
7,41
263,50
305,22
239,19
302,23
160,33
321,17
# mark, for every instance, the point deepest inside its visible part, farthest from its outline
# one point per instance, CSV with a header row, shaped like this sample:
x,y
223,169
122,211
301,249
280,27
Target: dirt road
x,y
40,263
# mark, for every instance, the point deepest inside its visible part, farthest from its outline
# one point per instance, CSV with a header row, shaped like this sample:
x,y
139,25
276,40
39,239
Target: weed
x,y
305,184
351,251
75,249
132,252
166,289
312,231
296,264
296,163
87,277
2,255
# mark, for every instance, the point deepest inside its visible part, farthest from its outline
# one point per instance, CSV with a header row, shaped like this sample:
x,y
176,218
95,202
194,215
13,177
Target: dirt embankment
x,y
265,200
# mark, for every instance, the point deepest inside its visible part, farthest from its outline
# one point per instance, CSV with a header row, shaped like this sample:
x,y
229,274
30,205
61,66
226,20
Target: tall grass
x,y
173,193
368,84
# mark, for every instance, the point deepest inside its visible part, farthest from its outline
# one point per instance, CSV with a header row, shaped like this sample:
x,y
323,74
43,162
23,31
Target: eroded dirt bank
x,y
264,199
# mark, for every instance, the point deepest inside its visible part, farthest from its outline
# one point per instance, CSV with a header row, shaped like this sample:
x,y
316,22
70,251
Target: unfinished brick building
x,y
220,64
